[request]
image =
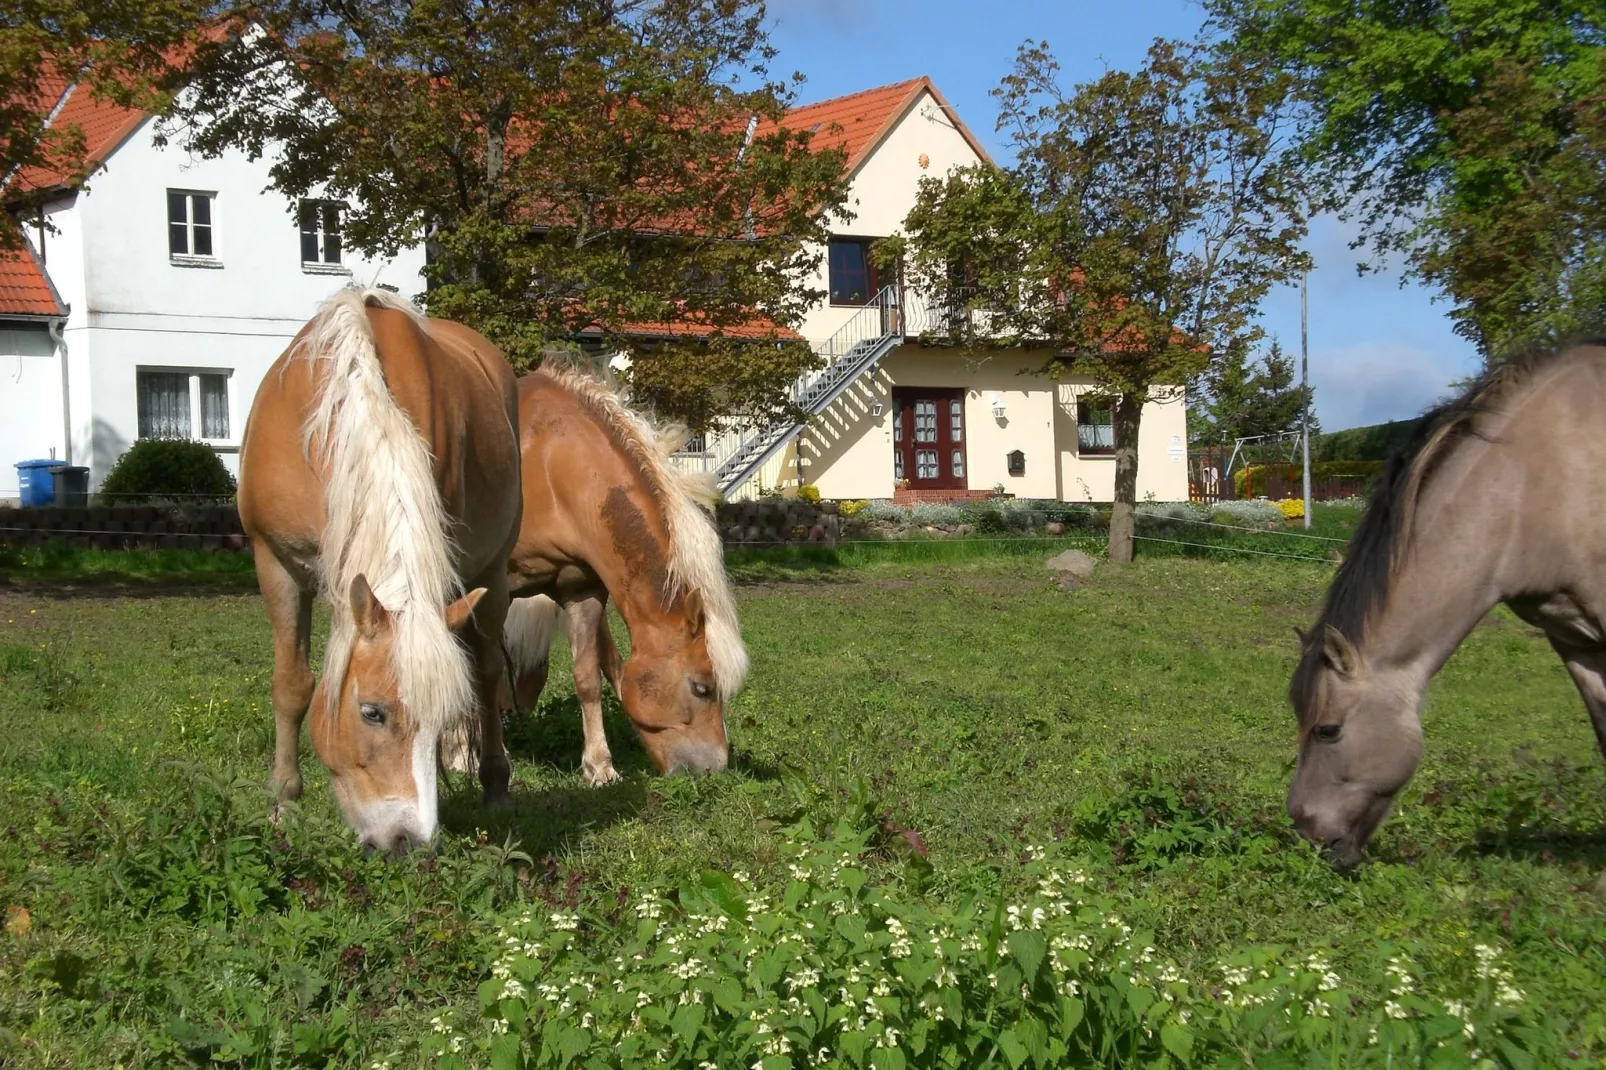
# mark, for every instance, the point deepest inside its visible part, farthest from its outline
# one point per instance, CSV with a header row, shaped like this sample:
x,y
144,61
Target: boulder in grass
x,y
1074,562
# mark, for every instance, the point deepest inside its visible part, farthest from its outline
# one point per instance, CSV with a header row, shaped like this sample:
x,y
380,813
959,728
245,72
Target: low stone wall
x,y
126,527
782,523
217,527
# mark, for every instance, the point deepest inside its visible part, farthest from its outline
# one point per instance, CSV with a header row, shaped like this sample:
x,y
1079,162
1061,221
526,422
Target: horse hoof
x,y
499,801
602,775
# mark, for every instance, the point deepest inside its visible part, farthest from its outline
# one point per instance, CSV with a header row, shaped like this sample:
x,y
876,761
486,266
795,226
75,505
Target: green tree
x,y
1242,396
582,169
1469,137
1147,215
115,49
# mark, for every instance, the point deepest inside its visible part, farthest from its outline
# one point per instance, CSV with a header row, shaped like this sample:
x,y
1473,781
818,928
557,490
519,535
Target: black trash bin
x,y
72,484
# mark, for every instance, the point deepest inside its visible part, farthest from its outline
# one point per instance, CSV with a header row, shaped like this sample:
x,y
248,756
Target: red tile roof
x,y
24,288
104,126
859,121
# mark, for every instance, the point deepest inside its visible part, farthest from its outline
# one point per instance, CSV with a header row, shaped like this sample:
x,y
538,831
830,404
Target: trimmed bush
x,y
853,508
1361,471
156,468
808,492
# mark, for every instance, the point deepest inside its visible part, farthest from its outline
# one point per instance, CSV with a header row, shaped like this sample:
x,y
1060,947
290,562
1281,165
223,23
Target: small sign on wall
x,y
1017,462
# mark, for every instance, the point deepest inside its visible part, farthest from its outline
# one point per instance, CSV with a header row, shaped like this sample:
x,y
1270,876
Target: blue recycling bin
x,y
36,486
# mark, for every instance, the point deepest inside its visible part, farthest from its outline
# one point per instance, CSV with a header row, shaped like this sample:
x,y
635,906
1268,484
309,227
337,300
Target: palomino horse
x,y
1473,513
380,465
607,516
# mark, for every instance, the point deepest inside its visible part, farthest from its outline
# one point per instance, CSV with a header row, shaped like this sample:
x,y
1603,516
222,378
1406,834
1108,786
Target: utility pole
x,y
1304,386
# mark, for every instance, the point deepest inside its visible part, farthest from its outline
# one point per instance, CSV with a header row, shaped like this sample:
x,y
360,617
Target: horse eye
x,y
1328,733
372,714
702,690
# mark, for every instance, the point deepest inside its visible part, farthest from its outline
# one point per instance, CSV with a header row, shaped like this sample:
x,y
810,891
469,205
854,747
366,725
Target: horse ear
x,y
366,612
1339,652
458,613
694,612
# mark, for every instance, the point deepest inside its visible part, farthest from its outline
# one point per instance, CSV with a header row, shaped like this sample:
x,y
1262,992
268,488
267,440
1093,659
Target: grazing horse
x,y
1495,500
380,466
606,515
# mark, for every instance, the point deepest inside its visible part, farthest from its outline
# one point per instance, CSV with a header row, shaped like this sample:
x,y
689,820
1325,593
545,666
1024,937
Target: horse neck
x,y
1454,571
630,551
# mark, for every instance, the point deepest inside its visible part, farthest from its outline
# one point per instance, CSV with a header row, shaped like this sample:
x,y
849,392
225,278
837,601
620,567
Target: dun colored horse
x,y
1496,500
380,466
607,516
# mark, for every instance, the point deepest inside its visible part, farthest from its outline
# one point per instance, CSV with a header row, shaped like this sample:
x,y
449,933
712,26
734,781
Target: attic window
x,y
815,129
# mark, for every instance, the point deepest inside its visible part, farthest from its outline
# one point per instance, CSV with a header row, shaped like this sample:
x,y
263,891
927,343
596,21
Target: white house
x,y
154,300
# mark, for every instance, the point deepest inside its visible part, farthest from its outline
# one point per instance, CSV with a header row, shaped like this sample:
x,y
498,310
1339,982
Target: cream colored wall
x,y
883,191
1162,451
847,449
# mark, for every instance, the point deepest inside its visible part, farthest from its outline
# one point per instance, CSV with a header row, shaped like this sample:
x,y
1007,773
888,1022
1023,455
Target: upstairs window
x,y
320,233
189,225
853,276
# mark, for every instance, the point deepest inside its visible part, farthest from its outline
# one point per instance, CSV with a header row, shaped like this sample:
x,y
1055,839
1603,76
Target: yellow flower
x,y
1292,508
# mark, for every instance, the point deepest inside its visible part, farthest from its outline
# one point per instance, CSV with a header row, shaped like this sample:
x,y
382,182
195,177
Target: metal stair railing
x,y
857,347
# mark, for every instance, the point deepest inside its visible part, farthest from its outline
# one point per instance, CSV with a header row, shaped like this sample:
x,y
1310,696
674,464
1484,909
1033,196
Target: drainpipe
x,y
60,342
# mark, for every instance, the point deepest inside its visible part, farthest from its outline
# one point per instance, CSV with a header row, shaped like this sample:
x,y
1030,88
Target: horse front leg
x,y
290,613
587,621
490,672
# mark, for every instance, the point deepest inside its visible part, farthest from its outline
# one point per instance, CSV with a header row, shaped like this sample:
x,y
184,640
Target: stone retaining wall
x,y
126,527
217,527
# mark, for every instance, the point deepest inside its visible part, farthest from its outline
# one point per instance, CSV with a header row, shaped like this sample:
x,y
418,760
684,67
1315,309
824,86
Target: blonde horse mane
x,y
696,554
384,516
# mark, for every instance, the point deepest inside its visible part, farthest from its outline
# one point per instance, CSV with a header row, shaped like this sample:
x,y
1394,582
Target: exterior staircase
x,y
868,336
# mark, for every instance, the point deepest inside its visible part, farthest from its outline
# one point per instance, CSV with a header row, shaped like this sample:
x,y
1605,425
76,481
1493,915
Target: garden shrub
x,y
1292,508
157,468
886,512
808,492
936,514
835,969
1174,510
1258,513
852,508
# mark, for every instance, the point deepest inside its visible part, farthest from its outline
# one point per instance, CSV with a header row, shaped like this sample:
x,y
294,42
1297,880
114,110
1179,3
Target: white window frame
x,y
232,442
323,267
214,259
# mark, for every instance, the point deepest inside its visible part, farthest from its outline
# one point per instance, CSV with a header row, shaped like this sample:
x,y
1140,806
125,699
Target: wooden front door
x,y
928,437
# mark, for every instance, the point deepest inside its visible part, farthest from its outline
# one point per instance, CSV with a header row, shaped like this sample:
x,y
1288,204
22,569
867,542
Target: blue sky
x,y
1378,351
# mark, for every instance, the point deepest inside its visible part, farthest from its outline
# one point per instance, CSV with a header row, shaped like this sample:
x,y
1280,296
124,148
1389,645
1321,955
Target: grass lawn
x,y
964,709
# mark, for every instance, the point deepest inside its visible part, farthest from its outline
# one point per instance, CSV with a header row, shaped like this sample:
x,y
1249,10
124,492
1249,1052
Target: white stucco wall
x,y
30,400
133,307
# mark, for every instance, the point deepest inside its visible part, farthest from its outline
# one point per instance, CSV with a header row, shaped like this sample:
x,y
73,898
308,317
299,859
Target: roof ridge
x,y
923,78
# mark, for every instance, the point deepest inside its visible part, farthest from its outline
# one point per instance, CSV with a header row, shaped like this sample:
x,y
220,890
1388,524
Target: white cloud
x,y
1372,382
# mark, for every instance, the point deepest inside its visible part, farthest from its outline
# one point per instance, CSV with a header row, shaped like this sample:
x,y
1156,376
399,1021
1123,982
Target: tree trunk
x,y
1128,415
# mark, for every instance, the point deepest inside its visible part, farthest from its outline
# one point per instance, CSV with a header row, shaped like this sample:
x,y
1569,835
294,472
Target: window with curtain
x,y
214,406
189,224
164,404
183,404
320,232
1095,428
